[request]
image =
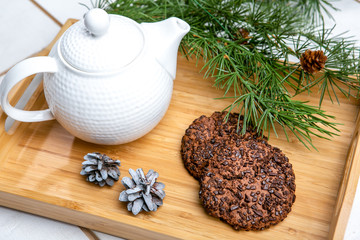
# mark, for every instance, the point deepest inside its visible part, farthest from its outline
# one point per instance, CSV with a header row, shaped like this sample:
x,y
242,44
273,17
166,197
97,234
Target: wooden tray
x,y
40,165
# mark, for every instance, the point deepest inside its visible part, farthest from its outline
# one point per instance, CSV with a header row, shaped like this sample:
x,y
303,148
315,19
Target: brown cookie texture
x,y
238,160
207,136
195,147
244,181
252,193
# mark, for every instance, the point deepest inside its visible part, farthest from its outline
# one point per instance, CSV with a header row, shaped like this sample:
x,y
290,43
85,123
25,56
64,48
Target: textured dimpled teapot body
x,y
113,109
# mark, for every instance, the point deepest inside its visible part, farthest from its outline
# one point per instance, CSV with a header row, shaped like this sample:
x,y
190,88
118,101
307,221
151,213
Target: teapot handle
x,y
21,70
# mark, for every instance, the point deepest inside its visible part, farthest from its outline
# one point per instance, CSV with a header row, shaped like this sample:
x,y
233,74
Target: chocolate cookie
x,y
252,192
208,135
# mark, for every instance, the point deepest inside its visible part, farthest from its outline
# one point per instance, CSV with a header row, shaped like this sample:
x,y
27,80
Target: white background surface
x,y
25,30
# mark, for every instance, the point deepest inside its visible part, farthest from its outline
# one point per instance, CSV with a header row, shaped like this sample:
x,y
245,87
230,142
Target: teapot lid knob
x,y
97,21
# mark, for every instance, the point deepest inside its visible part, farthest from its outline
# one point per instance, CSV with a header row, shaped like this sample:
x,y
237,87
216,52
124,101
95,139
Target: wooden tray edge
x,y
348,187
77,218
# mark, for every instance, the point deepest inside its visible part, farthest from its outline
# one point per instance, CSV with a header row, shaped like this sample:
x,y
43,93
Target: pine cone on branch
x,y
142,192
313,61
100,169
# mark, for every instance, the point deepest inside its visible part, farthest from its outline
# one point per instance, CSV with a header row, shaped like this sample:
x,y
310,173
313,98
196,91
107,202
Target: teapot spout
x,y
164,39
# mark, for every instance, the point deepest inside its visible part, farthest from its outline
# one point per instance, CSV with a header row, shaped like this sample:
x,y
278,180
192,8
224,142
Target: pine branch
x,y
246,46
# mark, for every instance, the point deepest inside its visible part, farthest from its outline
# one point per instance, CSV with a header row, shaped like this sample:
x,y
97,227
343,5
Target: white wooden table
x,y
27,26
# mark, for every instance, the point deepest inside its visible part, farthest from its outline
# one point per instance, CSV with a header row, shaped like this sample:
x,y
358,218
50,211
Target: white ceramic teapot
x,y
107,80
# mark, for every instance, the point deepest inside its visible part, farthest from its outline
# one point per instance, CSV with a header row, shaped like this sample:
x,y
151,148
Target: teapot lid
x,y
101,42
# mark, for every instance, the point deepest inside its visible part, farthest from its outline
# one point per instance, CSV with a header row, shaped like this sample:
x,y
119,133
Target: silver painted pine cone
x,y
100,169
142,192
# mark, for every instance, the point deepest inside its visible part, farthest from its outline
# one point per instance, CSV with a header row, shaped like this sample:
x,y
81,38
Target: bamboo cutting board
x,y
40,165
